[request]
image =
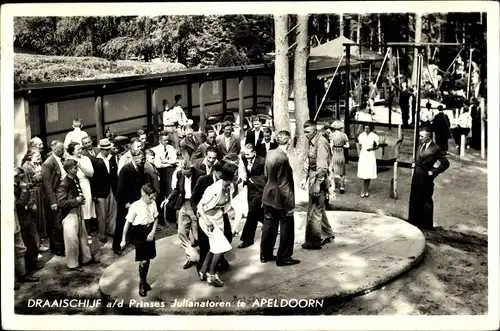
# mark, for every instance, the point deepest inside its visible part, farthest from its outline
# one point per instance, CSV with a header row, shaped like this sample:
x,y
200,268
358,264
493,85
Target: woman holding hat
x,y
338,141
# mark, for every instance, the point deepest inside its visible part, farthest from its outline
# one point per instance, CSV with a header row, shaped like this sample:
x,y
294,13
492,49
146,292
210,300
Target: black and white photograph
x,y
318,160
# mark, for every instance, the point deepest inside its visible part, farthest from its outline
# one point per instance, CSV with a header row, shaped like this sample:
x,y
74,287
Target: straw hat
x,y
337,125
105,144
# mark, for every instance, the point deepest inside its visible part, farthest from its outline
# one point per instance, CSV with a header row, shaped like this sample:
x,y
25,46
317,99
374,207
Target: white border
x,y
11,321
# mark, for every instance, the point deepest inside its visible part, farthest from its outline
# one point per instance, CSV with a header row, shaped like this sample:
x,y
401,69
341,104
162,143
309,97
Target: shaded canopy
x,y
335,49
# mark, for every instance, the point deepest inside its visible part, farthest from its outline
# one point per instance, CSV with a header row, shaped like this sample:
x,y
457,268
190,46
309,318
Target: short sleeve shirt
x,y
141,213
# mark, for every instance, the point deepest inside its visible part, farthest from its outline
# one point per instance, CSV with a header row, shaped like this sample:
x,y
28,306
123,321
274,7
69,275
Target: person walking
x,y
441,127
278,199
339,142
142,220
429,162
464,124
256,134
70,199
367,164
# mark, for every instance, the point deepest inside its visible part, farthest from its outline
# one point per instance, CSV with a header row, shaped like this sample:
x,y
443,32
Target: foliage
x,y
31,69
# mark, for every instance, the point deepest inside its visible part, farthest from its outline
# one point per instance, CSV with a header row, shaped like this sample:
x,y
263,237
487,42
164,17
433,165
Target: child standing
x,y
142,218
318,229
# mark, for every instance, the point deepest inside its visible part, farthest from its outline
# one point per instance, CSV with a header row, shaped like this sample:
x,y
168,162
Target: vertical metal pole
x,y
202,107
348,85
483,130
470,71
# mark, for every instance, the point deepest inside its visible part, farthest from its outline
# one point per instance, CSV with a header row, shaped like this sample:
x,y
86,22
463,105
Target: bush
x,y
36,69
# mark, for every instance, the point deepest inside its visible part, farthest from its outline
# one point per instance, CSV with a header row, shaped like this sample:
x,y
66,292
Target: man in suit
x,y
88,150
278,200
201,185
52,174
69,200
256,134
430,161
201,150
190,142
441,127
404,103
130,181
105,177
266,144
187,220
227,142
254,166
206,164
135,145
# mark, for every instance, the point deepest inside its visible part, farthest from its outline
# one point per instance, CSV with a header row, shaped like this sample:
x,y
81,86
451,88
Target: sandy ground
x,y
452,279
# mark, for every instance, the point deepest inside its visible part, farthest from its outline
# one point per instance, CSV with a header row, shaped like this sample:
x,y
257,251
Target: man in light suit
x,y
52,174
227,142
430,161
265,144
254,166
278,200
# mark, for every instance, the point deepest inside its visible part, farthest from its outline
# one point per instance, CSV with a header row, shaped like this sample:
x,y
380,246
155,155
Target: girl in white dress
x,y
367,164
85,171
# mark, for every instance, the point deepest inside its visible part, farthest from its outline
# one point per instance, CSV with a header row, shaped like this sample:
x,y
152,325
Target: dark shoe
x,y
328,240
267,259
59,253
245,245
188,264
195,244
202,276
29,279
342,191
79,269
142,290
147,287
103,239
91,261
310,247
287,262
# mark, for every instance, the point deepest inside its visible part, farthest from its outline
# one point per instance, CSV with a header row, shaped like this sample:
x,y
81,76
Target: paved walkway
x,y
369,250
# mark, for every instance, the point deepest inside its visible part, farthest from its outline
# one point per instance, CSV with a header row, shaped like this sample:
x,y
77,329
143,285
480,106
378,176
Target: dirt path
x,y
452,279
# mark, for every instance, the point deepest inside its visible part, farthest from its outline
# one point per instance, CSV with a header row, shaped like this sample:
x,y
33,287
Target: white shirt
x,y
140,213
228,142
59,162
257,133
465,120
426,115
209,169
178,115
187,187
164,153
105,159
74,136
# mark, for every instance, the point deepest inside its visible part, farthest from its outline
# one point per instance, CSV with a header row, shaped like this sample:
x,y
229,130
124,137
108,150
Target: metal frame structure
x,y
418,47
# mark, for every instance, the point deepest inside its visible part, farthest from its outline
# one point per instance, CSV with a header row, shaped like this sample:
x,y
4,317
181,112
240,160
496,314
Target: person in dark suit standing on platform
x,y
256,134
201,150
52,174
430,161
190,142
227,142
278,200
255,180
130,181
265,144
206,164
105,174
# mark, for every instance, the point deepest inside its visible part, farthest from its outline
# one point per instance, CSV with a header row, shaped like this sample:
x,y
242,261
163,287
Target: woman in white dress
x,y
367,164
85,171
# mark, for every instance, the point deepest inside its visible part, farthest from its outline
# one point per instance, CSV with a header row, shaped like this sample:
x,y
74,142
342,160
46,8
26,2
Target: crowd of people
x,y
192,179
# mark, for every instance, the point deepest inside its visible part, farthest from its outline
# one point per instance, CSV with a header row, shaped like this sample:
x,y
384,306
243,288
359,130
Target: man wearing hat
x,y
104,180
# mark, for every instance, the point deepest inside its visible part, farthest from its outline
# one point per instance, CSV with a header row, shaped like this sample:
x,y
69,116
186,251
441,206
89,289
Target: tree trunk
x,y
379,33
418,36
300,84
281,75
341,25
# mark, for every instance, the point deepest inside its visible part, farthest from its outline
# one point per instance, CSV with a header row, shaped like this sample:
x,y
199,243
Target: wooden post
x,y
483,130
241,109
154,108
202,107
98,118
394,182
348,85
149,109
462,145
189,99
224,96
254,93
